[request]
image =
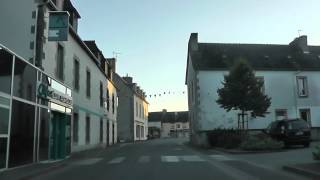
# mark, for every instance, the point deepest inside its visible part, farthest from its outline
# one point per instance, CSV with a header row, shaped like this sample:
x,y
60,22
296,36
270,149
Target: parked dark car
x,y
290,131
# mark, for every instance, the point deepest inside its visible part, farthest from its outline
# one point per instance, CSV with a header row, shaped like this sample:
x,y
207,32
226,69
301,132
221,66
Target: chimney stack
x,y
300,44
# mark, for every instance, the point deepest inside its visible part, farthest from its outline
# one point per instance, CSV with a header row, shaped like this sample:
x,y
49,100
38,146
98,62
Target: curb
x,y
247,152
302,171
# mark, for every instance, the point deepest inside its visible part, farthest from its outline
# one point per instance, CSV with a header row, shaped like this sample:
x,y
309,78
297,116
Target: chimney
x,y
193,42
300,44
112,62
128,79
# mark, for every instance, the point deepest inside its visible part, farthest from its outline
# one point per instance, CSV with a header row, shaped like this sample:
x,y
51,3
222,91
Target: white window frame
x,y
302,91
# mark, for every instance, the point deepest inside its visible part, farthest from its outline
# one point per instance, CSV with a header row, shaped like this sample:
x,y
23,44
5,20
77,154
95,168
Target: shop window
x,y
75,128
5,71
4,120
88,83
24,80
22,134
60,63
3,152
87,129
44,134
76,75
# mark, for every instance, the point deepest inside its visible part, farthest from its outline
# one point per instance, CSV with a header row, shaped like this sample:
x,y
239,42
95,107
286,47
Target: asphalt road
x,y
161,159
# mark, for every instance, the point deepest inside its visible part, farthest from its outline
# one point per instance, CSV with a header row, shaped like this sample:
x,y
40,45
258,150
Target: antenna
x,y
115,54
299,31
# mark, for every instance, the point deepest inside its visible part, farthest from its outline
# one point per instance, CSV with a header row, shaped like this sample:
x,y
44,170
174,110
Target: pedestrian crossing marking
x,y
90,161
221,157
192,158
169,159
116,160
144,159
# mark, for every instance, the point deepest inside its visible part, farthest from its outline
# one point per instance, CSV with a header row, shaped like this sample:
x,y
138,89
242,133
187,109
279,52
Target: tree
x,y
243,91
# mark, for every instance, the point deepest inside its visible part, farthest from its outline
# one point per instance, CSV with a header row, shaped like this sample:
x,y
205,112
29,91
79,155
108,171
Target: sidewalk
x,y
31,171
308,169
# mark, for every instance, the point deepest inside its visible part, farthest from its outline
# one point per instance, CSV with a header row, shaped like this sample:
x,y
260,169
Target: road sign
x,y
58,26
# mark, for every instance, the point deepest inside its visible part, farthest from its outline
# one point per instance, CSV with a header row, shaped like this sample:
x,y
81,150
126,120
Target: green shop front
x,y
35,114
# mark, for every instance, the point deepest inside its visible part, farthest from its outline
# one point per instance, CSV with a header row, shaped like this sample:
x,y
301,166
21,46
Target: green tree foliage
x,y
243,91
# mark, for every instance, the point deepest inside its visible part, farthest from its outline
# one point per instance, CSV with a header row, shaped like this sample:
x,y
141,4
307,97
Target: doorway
x,y
58,140
107,133
305,115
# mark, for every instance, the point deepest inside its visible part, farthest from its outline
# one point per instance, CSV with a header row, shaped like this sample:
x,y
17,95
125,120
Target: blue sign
x,y
58,26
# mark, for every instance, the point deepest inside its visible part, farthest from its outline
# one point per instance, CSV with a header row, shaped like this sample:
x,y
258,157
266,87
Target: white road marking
x,y
221,157
144,159
192,158
169,159
116,160
87,161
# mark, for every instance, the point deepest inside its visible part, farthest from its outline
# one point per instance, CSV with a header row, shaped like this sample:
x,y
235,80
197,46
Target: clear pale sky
x,y
152,35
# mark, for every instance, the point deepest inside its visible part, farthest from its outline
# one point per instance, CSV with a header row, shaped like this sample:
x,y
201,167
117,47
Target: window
x,y
87,129
113,103
88,83
108,100
137,131
302,86
101,94
101,130
178,126
75,127
60,63
281,114
22,134
4,120
261,80
137,109
76,75
44,134
24,80
6,71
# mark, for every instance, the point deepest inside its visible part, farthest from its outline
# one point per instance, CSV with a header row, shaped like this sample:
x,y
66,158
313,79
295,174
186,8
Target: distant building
x,y
290,74
172,124
132,110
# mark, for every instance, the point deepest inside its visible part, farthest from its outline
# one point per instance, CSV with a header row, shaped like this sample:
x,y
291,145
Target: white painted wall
x,y
140,117
279,85
82,104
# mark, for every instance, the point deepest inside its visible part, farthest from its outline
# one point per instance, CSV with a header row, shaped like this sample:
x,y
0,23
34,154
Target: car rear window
x,y
297,124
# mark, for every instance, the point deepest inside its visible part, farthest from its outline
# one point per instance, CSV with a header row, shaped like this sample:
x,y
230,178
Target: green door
x,y
58,136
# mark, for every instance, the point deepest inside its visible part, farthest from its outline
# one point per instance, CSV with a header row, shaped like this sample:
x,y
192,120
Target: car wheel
x,y
306,144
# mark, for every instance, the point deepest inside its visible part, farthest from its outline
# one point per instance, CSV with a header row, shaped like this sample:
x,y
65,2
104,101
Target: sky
x,y
150,37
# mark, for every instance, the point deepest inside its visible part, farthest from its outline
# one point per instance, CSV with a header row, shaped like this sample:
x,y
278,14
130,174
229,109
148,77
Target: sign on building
x,y
58,26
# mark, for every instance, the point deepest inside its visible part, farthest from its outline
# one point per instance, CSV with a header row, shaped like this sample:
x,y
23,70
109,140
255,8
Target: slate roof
x,y
168,117
220,56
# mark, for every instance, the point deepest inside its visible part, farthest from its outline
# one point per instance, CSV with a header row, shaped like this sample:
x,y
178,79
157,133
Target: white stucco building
x,y
290,74
79,73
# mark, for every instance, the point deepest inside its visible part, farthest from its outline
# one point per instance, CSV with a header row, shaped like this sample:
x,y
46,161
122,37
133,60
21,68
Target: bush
x,y
260,142
316,153
225,138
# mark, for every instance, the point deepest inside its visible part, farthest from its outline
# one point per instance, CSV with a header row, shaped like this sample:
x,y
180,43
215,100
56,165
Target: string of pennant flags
x,y
165,94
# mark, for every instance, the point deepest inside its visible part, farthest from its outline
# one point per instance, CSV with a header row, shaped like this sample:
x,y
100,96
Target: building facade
x,y
172,124
132,110
75,72
290,74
